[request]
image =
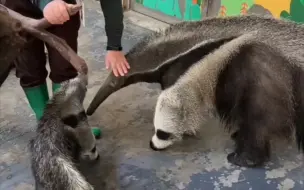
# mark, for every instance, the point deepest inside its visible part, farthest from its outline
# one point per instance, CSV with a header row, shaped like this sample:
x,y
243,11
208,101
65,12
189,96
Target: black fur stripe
x,y
73,120
168,73
162,134
93,149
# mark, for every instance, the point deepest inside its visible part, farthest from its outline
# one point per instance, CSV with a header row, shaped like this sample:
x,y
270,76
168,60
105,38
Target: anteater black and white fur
x,y
163,57
63,136
255,89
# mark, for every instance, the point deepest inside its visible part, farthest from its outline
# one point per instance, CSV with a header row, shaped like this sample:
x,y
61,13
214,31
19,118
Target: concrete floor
x,y
126,120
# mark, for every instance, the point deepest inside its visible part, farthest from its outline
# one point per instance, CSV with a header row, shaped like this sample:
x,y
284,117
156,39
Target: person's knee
x,y
62,74
32,80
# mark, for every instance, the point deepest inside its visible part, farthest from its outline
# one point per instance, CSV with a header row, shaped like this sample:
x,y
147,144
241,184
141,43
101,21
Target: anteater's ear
x,y
78,83
83,79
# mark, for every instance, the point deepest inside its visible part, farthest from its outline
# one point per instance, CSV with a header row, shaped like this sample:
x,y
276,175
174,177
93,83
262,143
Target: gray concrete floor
x,y
126,121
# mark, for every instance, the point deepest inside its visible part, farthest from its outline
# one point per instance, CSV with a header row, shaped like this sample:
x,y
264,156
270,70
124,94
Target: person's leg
x,y
30,68
62,70
30,64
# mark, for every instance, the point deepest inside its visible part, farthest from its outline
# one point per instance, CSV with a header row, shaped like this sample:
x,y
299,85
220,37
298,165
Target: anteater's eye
x,y
94,149
82,115
162,134
70,120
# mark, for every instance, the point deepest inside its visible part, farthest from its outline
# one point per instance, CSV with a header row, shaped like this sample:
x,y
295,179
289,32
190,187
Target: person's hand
x,y
56,12
117,62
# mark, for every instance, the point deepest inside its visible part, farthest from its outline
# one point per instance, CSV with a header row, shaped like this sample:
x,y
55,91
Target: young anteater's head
x,y
74,117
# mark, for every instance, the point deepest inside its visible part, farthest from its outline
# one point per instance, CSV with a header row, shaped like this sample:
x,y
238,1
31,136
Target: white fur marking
x,y
160,144
75,178
203,75
71,90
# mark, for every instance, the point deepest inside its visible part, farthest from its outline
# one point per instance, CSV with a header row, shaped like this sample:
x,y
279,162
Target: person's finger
x,y
48,15
51,19
114,70
120,69
127,64
124,68
107,64
64,12
56,16
59,13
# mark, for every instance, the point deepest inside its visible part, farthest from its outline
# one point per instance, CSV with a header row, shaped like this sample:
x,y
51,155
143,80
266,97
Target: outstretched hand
x,y
116,61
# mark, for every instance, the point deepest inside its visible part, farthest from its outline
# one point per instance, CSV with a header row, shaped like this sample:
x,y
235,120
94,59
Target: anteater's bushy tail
x,y
73,177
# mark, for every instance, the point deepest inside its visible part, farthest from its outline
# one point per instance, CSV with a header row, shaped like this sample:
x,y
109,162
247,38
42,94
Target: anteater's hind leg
x,y
260,114
299,106
252,147
254,92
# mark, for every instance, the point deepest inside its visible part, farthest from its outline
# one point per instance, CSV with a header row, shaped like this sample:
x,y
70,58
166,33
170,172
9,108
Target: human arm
x,y
113,14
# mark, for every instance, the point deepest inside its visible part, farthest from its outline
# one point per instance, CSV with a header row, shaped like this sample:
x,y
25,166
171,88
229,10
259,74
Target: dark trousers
x,y
31,62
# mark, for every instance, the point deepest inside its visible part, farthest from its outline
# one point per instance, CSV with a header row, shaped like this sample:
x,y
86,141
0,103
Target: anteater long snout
x,y
111,85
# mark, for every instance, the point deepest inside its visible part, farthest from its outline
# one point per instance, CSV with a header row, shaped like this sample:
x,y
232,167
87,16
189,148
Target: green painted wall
x,y
296,11
234,7
192,9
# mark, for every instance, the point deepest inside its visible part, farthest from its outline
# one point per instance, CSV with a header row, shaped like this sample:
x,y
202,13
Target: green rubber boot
x,y
96,131
55,87
37,97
